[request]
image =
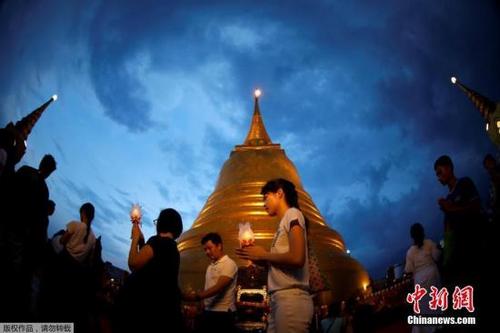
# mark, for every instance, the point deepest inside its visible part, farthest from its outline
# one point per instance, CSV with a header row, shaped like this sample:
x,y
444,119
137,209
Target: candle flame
x,y
135,212
246,235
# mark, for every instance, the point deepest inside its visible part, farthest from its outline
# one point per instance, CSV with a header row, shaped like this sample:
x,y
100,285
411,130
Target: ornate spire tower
x,y
236,199
489,110
13,138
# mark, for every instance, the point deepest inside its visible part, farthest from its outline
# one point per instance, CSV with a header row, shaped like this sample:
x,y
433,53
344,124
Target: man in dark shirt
x,y
25,235
462,225
32,207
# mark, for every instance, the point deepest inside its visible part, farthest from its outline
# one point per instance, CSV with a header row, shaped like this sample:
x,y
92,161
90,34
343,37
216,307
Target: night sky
x,y
153,96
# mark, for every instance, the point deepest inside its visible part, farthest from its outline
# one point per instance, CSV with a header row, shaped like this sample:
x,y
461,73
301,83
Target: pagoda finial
x,y
257,135
490,111
484,105
25,125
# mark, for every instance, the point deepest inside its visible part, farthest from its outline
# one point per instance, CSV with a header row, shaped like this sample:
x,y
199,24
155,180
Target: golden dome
x,y
237,199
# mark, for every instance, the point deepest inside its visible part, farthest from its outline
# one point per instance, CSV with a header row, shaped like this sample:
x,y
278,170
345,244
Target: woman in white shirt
x,y
288,274
421,261
79,239
69,290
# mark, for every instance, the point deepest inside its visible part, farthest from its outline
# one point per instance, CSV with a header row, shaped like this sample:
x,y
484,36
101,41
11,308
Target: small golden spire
x,y
483,104
257,135
25,125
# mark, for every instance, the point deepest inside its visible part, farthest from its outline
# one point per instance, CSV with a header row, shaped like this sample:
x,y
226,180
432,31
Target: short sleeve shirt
x,y
76,245
226,299
164,267
464,193
420,257
284,278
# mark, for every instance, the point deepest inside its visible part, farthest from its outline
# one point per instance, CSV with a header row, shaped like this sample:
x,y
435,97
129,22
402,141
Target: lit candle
x,y
135,213
246,235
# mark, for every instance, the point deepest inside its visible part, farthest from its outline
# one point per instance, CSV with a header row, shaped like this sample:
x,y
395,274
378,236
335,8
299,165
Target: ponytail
x,y
418,235
89,211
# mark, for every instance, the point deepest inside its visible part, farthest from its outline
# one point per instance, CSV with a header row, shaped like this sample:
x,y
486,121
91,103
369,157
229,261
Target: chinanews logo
x,y
462,299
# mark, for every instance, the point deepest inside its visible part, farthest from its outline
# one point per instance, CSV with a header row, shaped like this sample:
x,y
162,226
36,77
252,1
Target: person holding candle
x,y
220,285
150,300
288,274
67,291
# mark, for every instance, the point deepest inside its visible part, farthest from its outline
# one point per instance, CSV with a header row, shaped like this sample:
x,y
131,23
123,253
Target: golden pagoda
x,y
237,199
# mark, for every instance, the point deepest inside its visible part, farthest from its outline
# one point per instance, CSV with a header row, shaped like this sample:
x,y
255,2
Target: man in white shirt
x,y
220,284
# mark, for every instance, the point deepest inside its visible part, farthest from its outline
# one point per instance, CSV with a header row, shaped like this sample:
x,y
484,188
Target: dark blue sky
x,y
153,95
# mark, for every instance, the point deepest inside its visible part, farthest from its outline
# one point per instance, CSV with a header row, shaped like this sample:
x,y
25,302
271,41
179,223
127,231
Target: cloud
x,y
155,102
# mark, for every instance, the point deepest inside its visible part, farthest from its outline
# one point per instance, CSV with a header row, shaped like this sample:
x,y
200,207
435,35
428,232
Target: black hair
x,y
169,220
51,207
48,163
89,211
213,237
443,160
291,195
489,157
417,233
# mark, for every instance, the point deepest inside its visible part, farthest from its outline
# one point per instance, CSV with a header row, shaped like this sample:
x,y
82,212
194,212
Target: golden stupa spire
x,y
490,111
257,135
484,105
25,125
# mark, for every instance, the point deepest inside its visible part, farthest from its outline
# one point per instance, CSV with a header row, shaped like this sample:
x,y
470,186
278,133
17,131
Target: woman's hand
x,y
253,253
135,219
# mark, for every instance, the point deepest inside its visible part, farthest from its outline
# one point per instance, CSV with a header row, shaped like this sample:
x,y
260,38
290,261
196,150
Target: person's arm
x,y
222,283
294,258
65,238
138,258
469,207
409,265
468,191
70,230
435,252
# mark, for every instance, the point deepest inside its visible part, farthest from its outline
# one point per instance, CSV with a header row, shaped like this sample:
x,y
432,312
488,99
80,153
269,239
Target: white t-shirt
x,y
226,299
76,245
418,258
284,278
422,263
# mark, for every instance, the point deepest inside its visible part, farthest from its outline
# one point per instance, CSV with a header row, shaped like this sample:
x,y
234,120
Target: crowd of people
x,y
151,298
58,279
461,259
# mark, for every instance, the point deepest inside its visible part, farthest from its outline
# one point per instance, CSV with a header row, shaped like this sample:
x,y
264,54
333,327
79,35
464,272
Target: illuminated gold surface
x,y
237,199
